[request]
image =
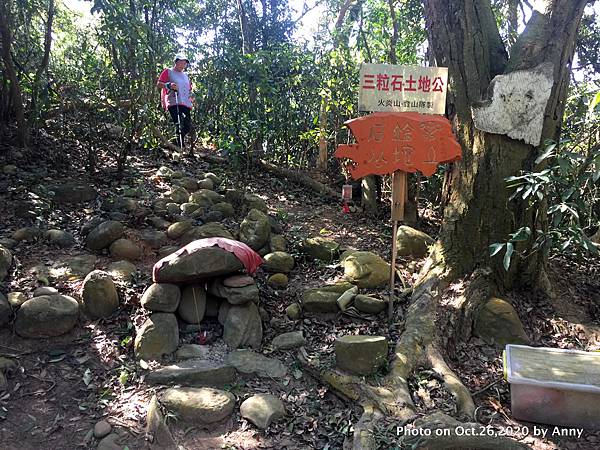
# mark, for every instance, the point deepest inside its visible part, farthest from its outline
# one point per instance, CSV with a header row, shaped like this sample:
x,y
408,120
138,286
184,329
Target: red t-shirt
x,y
184,85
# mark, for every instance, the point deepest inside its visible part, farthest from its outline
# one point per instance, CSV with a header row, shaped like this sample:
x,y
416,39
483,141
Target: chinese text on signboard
x,y
384,87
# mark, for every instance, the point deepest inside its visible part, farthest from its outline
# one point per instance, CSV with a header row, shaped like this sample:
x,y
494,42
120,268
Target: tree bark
x,y
45,60
15,89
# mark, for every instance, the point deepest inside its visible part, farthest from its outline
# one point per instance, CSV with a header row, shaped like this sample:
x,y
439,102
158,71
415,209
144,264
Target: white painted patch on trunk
x,y
517,104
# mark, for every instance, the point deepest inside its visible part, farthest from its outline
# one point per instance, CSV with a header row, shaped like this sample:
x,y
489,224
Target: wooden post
x,y
399,190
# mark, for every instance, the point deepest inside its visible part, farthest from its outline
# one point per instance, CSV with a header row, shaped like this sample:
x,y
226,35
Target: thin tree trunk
x,y
45,60
15,89
394,37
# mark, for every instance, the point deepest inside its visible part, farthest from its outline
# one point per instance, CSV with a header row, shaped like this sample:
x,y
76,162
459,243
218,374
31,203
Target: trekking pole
x,y
178,121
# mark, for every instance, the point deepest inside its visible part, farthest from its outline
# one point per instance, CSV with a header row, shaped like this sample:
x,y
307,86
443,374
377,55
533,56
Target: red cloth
x,y
248,257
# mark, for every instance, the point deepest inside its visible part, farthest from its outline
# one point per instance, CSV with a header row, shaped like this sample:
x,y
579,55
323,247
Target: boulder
x,y
104,234
173,209
294,311
199,405
193,304
369,305
177,194
279,262
73,267
44,290
161,297
154,239
255,229
262,410
226,209
206,197
278,281
236,197
208,230
121,205
8,243
361,355
99,294
365,269
223,311
203,263
287,341
193,351
165,172
125,249
101,429
277,243
190,208
243,327
121,270
5,311
156,427
91,224
47,316
189,183
158,336
412,242
255,202
73,193
193,372
16,299
213,177
320,301
321,248
206,183
176,230
497,323
27,234
234,295
252,363
60,238
159,223
5,262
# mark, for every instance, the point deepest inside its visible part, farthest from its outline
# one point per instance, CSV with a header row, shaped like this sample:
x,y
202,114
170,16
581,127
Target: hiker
x,y
177,97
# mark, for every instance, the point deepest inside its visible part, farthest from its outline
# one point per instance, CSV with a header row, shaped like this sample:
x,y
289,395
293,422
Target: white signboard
x,y
385,87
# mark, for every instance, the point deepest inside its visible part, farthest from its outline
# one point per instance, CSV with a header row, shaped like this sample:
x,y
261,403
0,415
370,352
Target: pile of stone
x,y
191,287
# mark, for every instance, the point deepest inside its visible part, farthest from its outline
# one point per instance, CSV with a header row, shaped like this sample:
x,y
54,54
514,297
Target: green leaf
x,y
495,248
548,153
593,103
509,251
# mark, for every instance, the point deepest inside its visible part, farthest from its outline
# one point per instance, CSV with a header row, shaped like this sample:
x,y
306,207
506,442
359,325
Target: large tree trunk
x,y
11,74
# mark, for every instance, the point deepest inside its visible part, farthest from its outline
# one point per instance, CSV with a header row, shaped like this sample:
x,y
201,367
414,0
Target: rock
x,y
252,363
214,178
277,243
73,193
235,196
212,216
294,311
369,305
255,229
118,216
91,224
189,183
45,290
207,183
206,197
412,242
212,306
212,229
47,316
159,335
320,301
165,172
287,341
199,405
262,410
234,295
177,229
243,327
223,311
121,270
275,225
192,351
9,169
27,234
321,248
154,239
279,262
73,267
193,304
161,297
278,281
167,250
157,428
121,205
5,262
61,238
110,442
159,223
255,202
189,208
16,299
5,311
101,429
125,249
173,209
497,323
226,209
177,195
193,372
104,234
366,269
8,366
99,294
361,355
8,243
203,263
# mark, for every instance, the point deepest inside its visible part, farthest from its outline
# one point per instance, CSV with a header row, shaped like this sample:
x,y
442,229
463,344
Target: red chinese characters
x,y
399,83
387,142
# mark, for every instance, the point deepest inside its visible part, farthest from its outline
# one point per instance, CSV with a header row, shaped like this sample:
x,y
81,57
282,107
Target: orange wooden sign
x,y
387,142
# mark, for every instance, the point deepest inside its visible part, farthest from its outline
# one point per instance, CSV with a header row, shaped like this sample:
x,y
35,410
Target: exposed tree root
x,y
416,348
